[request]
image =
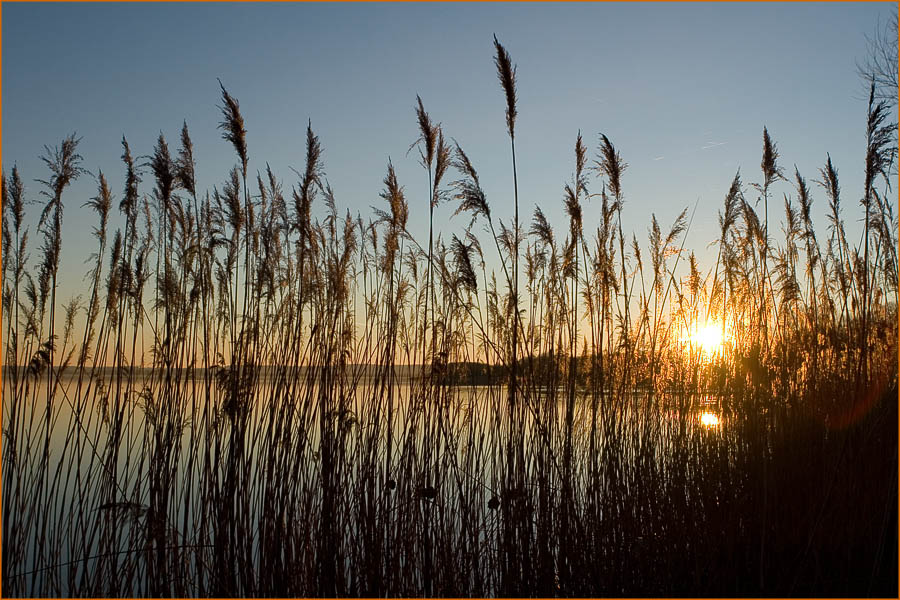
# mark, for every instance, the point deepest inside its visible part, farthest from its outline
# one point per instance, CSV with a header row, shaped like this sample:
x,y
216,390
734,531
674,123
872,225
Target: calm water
x,y
463,430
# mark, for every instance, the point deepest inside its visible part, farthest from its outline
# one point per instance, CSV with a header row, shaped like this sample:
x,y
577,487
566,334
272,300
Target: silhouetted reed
x,y
261,394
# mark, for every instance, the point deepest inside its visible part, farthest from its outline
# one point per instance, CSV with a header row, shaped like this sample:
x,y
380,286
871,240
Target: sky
x,y
682,90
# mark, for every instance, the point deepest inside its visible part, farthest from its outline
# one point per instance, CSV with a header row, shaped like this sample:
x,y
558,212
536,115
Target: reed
x,y
262,394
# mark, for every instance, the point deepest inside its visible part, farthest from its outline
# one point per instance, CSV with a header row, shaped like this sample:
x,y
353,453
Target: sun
x,y
709,420
708,338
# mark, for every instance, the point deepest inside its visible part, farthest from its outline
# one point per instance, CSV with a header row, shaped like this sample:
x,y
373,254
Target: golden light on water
x,y
708,419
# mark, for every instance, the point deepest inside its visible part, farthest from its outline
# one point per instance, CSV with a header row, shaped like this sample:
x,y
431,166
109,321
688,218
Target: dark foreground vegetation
x,y
159,439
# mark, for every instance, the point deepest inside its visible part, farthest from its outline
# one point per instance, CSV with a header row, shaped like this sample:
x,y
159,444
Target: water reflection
x,y
656,424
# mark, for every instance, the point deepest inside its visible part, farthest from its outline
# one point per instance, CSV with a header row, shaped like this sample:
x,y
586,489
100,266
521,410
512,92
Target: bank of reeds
x,y
250,400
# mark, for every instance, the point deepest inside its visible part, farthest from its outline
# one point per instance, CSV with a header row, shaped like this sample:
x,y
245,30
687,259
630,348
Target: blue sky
x,y
682,90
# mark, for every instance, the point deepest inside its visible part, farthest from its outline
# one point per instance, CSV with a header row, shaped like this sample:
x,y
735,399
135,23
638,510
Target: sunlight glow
x,y
709,419
709,338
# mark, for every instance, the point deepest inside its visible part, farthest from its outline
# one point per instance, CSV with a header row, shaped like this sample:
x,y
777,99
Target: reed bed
x,y
260,394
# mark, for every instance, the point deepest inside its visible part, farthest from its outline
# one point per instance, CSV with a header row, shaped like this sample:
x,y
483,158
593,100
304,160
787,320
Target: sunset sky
x,y
682,90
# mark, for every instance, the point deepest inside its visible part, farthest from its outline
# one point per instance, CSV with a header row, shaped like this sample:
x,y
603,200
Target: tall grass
x,y
307,402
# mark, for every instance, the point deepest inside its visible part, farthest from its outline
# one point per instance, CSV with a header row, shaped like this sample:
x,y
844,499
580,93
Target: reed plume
x,y
307,442
185,163
506,73
232,126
